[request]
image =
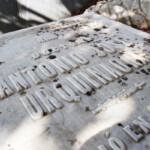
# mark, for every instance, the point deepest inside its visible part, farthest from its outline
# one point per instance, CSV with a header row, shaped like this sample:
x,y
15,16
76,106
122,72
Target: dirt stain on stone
x,y
125,78
1,63
144,71
87,109
58,85
120,124
52,57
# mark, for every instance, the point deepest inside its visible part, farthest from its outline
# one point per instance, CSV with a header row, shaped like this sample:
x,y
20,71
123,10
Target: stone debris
x,y
135,13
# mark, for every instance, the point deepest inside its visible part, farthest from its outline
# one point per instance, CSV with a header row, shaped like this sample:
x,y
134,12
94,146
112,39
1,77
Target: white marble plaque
x,y
81,83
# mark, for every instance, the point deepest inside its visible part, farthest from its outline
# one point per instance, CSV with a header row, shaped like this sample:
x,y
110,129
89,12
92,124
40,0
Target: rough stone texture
x,y
132,12
97,39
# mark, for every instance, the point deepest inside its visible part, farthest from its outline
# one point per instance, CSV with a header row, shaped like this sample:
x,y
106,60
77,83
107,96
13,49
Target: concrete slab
x,y
80,83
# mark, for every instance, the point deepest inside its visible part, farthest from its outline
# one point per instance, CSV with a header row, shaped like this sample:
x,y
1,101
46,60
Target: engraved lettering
x,y
33,75
49,102
113,71
99,52
18,81
137,57
32,107
70,62
46,52
79,84
116,144
98,74
60,65
36,56
45,100
90,80
5,90
47,70
79,58
143,124
109,49
106,48
132,134
130,61
120,65
67,93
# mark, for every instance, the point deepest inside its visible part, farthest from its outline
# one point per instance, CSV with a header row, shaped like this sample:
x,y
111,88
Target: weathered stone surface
x,y
81,83
145,6
132,12
138,21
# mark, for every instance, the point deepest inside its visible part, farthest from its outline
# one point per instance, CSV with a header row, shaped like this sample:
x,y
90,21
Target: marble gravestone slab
x,y
81,83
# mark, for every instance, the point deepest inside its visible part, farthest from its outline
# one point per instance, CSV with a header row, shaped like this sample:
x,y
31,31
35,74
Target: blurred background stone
x,y
18,14
131,12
